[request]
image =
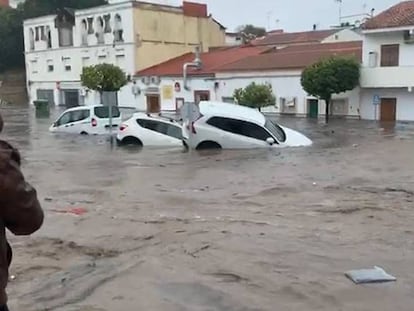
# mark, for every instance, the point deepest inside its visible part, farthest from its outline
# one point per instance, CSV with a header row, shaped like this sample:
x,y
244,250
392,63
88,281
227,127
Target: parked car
x,y
86,120
231,126
146,130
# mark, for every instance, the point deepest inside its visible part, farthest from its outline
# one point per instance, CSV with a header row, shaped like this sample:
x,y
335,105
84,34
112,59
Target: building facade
x,y
387,74
224,71
130,34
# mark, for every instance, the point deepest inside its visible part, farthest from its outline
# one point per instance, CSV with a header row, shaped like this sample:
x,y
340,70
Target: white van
x,y
86,120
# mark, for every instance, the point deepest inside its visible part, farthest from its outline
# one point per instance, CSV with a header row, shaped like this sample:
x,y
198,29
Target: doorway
x,y
201,95
71,98
153,104
313,108
388,109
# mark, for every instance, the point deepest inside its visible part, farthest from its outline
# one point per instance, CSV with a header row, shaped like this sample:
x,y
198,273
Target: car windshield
x,y
276,130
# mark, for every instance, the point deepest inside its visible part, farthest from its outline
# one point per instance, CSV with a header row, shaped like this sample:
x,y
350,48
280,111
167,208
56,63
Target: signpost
x,y
376,100
190,112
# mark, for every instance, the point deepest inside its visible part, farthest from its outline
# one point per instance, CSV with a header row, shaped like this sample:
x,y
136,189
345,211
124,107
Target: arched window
x,y
48,38
118,30
100,30
84,32
31,39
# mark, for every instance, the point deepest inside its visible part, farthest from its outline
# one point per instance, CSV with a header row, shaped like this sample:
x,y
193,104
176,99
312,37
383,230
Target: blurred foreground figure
x,y
20,211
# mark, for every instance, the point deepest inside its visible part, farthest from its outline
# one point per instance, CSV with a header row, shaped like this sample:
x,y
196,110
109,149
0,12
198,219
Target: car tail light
x,y
94,122
123,127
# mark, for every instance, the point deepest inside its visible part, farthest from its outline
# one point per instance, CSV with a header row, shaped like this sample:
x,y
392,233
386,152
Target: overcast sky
x,y
291,15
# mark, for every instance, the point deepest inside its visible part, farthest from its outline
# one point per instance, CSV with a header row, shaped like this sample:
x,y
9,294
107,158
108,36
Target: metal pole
x,y
110,122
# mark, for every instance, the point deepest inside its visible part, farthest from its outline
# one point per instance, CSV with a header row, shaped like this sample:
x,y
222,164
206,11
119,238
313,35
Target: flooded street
x,y
164,230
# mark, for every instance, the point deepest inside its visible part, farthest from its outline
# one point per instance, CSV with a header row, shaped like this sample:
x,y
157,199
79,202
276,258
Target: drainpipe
x,y
196,63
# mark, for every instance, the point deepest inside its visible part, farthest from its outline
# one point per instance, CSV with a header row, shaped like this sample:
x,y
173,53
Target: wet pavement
x,y
168,230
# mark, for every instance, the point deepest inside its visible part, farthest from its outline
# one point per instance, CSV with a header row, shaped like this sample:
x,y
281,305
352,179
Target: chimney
x,y
4,3
195,9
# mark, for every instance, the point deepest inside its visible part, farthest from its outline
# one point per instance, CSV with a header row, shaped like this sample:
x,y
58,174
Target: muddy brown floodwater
x,y
228,231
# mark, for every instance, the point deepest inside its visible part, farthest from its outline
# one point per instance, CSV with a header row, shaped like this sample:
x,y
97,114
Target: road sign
x,y
190,112
376,100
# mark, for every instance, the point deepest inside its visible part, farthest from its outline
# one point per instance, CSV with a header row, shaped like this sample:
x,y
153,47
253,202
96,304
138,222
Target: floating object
x,y
78,211
375,275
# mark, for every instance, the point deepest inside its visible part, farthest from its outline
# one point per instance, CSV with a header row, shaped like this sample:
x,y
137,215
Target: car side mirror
x,y
270,141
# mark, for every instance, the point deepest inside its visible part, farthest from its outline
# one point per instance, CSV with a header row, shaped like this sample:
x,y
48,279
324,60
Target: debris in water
x,y
375,275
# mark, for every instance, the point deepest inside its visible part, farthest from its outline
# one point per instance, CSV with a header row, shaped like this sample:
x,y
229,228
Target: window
x,y
103,112
107,19
239,127
276,130
50,68
90,25
68,67
48,37
37,35
73,116
161,127
31,39
118,31
100,30
390,55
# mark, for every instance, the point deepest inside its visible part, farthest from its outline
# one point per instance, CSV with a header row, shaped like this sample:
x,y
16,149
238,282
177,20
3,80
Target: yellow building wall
x,y
162,35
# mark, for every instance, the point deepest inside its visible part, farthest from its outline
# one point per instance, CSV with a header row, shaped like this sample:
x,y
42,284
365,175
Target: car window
x,y
276,130
79,115
103,112
240,127
161,127
73,116
64,119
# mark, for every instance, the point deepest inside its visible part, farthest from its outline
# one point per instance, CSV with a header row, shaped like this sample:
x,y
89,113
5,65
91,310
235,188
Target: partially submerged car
x,y
146,130
86,120
230,126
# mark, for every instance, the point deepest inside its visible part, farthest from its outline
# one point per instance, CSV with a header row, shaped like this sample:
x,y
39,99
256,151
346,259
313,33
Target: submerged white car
x,y
230,126
86,120
146,130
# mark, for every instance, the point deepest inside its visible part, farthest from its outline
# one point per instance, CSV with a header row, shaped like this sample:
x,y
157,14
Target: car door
x,y
159,133
236,134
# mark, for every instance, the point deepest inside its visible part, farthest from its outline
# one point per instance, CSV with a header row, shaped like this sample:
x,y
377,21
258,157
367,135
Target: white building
x,y
387,76
225,70
57,47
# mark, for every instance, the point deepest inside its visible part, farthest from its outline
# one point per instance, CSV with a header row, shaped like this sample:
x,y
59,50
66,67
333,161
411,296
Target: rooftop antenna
x,y
340,10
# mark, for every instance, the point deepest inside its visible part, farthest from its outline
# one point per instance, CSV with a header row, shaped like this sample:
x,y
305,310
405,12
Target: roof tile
x,y
279,38
211,61
399,15
294,57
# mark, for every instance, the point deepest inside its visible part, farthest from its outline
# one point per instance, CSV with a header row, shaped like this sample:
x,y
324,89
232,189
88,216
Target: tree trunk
x,y
327,103
101,97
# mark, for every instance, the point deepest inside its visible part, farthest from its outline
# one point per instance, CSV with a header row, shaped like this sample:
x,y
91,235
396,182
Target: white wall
x,y
169,104
373,41
344,35
405,103
121,54
284,83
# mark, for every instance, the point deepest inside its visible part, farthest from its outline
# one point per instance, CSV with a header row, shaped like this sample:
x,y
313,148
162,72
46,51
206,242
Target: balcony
x,y
387,77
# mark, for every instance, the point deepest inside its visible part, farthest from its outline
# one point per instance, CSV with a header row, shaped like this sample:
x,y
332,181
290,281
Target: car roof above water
x,y
227,110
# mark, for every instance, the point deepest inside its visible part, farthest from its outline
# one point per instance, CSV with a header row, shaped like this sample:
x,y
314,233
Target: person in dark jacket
x,y
20,210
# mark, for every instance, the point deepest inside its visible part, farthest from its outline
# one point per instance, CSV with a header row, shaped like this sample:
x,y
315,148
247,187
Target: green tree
x,y
35,8
330,76
11,38
103,78
250,32
255,95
